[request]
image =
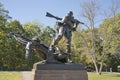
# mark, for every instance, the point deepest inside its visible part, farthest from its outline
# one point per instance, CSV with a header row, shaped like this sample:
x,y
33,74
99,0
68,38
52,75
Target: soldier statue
x,y
65,28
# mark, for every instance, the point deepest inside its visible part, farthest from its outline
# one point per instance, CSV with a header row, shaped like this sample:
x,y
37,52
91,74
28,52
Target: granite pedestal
x,y
70,71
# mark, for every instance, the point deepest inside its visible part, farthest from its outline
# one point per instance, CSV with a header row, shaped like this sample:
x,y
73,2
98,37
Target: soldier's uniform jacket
x,y
69,21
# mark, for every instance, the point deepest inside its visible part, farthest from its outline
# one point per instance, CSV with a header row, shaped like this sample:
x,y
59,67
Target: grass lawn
x,y
10,76
91,76
104,76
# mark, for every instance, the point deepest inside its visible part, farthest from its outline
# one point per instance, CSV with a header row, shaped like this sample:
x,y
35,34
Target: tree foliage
x,y
12,54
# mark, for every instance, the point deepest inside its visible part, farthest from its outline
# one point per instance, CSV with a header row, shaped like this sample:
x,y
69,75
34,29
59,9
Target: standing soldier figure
x,y
65,28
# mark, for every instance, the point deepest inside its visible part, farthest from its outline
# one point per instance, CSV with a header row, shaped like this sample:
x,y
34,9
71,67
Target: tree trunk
x,y
101,66
95,64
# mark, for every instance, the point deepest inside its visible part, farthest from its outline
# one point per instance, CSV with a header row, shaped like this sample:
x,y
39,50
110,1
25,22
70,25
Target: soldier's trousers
x,y
66,32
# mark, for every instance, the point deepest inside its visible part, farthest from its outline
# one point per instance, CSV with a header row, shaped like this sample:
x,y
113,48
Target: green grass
x,y
10,76
104,76
91,76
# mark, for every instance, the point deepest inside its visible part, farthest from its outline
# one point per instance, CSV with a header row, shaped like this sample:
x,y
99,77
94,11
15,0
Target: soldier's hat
x,y
70,12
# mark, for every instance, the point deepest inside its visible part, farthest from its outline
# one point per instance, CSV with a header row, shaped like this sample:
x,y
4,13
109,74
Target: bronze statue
x,y
49,55
64,28
43,50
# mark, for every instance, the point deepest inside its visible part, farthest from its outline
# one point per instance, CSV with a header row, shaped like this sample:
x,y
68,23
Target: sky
x,y
34,10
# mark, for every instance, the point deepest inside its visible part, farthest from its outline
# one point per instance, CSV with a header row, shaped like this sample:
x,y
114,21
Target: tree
x,y
110,35
3,16
110,25
99,42
90,12
3,34
47,35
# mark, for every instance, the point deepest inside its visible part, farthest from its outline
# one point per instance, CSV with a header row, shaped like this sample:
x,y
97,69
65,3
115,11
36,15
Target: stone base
x,y
59,72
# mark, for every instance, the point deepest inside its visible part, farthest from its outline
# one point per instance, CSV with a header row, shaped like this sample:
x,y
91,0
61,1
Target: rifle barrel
x,y
52,16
